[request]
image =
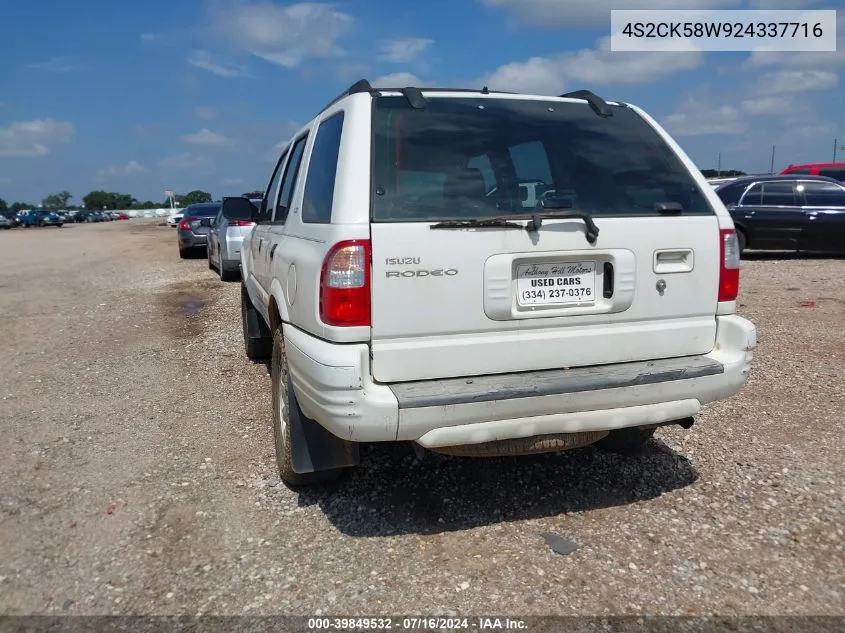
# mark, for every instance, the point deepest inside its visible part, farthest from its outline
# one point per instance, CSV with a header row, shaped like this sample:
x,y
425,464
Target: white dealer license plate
x,y
556,284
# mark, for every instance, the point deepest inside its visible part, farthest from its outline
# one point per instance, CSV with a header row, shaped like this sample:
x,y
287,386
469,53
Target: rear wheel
x,y
183,253
631,440
742,240
285,411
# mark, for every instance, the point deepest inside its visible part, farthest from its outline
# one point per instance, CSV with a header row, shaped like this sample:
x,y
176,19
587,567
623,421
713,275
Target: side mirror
x,y
239,209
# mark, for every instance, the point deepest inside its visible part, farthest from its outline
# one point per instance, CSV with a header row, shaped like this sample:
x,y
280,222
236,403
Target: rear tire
x,y
183,253
285,408
742,240
627,441
258,342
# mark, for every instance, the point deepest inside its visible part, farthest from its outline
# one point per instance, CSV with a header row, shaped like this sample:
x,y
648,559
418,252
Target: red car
x,y
831,170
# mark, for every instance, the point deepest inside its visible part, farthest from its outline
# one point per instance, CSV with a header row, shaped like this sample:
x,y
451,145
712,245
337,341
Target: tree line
x,y
100,200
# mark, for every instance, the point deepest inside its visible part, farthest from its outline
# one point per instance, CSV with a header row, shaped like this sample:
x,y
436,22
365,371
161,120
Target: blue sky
x,y
140,97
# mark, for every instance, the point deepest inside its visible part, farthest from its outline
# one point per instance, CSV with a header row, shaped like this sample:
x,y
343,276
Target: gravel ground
x,y
137,472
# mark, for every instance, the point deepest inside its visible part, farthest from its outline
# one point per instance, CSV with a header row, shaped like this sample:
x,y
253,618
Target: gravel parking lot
x,y
137,471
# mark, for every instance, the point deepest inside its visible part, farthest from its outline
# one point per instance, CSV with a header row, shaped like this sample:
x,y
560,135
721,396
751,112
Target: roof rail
x,y
598,104
362,85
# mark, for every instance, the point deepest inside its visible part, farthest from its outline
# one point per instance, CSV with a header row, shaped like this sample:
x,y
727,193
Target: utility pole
x,y
772,169
719,166
835,146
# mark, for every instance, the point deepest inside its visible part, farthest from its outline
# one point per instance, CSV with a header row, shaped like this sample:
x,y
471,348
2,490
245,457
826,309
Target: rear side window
x,y
838,173
823,194
289,180
322,171
730,193
477,157
752,196
778,194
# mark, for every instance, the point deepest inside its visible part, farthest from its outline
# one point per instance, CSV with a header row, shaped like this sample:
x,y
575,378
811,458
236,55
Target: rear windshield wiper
x,y
481,223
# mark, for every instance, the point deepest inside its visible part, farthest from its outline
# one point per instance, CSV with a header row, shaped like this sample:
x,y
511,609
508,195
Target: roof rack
x,y
417,101
598,104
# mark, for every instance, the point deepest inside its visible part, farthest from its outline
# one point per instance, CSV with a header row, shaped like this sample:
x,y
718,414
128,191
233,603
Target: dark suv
x,y
797,213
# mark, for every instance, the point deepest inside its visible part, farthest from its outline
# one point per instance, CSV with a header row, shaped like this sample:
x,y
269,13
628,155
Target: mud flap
x,y
313,448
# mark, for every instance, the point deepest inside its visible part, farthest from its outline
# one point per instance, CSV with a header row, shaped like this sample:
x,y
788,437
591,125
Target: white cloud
x,y
115,171
579,13
767,111
149,37
538,75
697,117
207,137
397,80
185,161
285,35
786,81
766,105
35,137
830,59
594,66
205,112
404,49
205,60
56,65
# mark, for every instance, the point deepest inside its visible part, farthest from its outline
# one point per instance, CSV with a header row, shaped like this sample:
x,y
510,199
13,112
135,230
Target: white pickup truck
x,y
404,293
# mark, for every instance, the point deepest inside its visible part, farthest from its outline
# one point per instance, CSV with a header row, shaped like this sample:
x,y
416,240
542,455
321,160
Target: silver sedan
x,y
224,244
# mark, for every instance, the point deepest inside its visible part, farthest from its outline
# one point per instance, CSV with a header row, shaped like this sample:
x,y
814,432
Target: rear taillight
x,y
345,284
185,225
240,223
729,265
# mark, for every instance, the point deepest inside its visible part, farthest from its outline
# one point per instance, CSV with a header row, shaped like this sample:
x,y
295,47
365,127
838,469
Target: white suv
x,y
400,301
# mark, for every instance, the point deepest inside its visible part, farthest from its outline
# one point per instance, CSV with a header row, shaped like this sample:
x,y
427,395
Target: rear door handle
x,y
675,260
273,250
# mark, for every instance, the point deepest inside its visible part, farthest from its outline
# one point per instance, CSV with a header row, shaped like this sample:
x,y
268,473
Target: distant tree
x,y
96,200
3,206
253,195
57,200
19,206
725,173
195,197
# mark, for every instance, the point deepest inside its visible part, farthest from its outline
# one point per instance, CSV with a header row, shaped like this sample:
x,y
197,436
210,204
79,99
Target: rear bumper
x,y
191,240
334,387
230,251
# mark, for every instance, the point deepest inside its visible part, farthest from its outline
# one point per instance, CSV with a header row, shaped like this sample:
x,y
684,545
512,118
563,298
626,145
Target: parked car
x,y
797,213
5,222
398,302
831,170
41,218
225,240
175,217
192,231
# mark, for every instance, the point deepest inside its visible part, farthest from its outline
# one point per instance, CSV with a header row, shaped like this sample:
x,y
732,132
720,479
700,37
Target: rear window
x,y
202,211
837,173
472,158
